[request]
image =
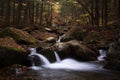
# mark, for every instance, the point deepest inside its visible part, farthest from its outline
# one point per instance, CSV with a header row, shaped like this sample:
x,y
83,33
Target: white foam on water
x,y
36,67
72,64
68,63
42,58
102,55
57,57
59,39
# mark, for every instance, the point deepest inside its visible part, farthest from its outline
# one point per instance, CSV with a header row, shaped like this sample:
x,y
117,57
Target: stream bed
x,y
66,69
59,74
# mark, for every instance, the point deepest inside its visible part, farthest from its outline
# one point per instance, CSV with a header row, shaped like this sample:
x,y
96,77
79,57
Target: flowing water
x,y
68,63
67,69
59,39
102,55
57,57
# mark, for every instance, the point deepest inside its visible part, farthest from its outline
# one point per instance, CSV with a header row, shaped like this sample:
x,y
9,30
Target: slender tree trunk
x,y
106,12
84,6
18,16
2,8
32,12
14,12
92,12
8,12
51,13
26,13
41,12
96,13
102,13
37,12
119,9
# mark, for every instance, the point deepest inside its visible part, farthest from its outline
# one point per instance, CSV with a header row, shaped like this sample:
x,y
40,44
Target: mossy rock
x,y
74,34
10,43
79,35
113,65
113,56
19,35
75,49
48,53
92,37
12,53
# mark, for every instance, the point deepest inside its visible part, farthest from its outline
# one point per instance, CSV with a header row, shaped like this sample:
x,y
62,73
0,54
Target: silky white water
x,y
42,58
102,55
69,64
59,39
57,57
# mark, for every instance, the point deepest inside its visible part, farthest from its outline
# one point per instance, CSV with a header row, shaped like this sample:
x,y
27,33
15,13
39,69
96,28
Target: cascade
x,y
33,51
57,57
67,63
43,59
71,64
102,55
59,39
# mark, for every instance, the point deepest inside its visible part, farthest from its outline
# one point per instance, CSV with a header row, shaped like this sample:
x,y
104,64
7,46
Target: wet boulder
x,y
18,35
12,53
74,33
48,29
48,53
42,35
75,49
113,56
50,40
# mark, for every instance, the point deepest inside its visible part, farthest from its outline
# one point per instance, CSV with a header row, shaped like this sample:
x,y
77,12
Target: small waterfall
x,y
70,64
33,51
43,59
59,39
57,57
102,55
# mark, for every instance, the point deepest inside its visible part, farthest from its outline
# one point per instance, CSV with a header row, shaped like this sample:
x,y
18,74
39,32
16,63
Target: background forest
x,y
19,13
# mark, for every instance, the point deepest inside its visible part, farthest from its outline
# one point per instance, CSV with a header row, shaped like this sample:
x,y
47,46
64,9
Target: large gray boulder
x,y
18,35
75,49
113,56
12,53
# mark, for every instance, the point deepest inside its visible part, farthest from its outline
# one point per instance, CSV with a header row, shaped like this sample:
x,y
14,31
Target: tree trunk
x,y
41,12
8,12
106,12
102,13
32,12
26,13
97,13
37,12
2,8
14,13
119,9
18,16
92,12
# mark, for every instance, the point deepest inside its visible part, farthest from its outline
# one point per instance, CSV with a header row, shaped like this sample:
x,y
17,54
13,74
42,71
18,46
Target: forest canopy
x,y
19,13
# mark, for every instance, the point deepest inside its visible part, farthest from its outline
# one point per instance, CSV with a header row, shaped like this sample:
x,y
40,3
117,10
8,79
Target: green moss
x,y
79,35
18,35
13,49
9,32
92,38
